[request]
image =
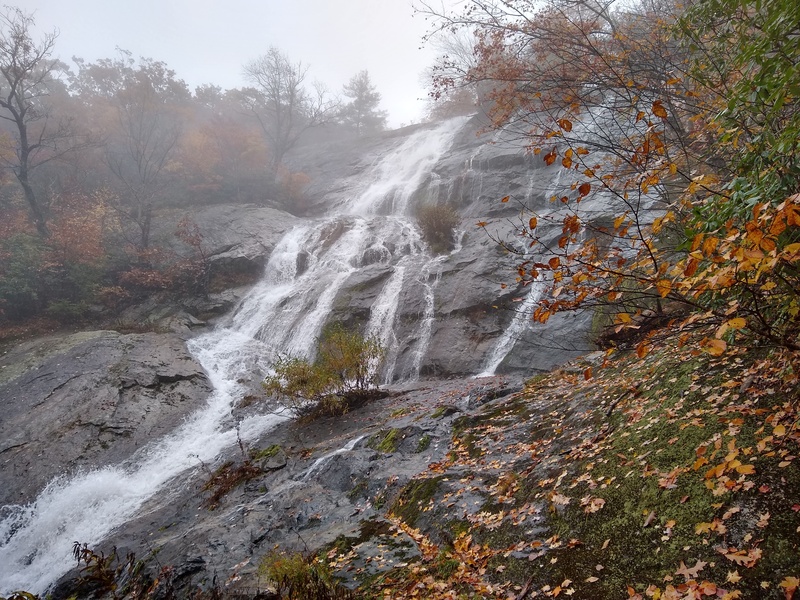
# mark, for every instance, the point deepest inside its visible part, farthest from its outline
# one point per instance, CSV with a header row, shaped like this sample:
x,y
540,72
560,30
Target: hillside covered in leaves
x,y
669,477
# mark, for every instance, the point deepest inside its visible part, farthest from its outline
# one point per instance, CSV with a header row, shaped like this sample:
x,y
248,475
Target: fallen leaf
x,y
789,585
690,573
733,577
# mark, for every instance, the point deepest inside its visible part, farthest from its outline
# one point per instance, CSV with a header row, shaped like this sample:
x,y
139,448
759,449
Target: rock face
x,y
472,312
237,240
86,400
319,482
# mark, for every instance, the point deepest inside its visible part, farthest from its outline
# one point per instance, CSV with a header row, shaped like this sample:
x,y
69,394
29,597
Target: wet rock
x,y
89,399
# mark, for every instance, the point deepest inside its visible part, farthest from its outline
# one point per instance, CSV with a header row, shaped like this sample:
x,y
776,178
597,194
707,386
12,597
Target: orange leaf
x,y
709,245
532,223
505,199
642,350
659,110
584,189
550,157
554,262
565,124
714,347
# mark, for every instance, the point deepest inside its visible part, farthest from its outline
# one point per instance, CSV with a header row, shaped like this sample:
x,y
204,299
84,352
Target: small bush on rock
x,y
437,223
345,372
298,577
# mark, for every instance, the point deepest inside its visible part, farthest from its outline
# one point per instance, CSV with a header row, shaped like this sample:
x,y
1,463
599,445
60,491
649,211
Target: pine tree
x,y
362,113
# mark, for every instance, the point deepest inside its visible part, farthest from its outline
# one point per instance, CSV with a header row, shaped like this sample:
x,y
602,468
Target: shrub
x,y
344,372
437,223
297,577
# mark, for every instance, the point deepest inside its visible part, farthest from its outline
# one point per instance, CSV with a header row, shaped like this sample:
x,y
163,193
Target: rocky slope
x,y
669,477
93,399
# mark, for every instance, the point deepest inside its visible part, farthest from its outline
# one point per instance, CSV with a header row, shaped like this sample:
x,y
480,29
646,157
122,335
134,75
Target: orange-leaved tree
x,y
632,103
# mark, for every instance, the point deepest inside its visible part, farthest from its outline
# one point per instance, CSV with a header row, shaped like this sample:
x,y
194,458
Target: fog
x,y
208,41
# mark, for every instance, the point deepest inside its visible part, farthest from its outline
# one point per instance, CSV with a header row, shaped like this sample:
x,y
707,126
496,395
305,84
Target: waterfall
x,y
283,314
520,322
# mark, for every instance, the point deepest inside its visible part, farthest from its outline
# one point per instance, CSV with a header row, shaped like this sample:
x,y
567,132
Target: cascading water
x,y
521,321
283,314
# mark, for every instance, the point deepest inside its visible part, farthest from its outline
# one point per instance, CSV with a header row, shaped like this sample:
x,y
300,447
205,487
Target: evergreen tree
x,y
362,113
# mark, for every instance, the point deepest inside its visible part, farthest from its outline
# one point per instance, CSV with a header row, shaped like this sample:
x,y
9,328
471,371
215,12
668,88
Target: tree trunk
x,y
36,210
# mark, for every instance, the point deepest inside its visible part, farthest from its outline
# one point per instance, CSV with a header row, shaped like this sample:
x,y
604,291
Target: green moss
x,y
265,453
424,443
439,412
469,442
358,490
415,496
385,441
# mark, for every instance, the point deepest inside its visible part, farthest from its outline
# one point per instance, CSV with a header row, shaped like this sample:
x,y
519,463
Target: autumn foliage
x,y
677,123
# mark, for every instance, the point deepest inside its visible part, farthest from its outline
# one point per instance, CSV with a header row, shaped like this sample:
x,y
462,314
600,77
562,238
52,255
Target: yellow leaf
x,y
779,430
737,323
664,286
622,318
790,584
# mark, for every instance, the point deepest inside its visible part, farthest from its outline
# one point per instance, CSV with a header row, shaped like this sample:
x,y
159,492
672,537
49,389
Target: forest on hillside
x,y
91,154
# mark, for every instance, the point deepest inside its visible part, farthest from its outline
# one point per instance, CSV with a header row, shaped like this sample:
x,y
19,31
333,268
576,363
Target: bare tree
x,y
281,102
142,103
27,72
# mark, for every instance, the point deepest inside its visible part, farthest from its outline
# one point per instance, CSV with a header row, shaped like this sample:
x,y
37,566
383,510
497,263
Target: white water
x,y
283,314
324,459
520,322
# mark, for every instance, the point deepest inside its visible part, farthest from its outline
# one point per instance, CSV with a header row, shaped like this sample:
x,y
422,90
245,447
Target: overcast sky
x,y
208,41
